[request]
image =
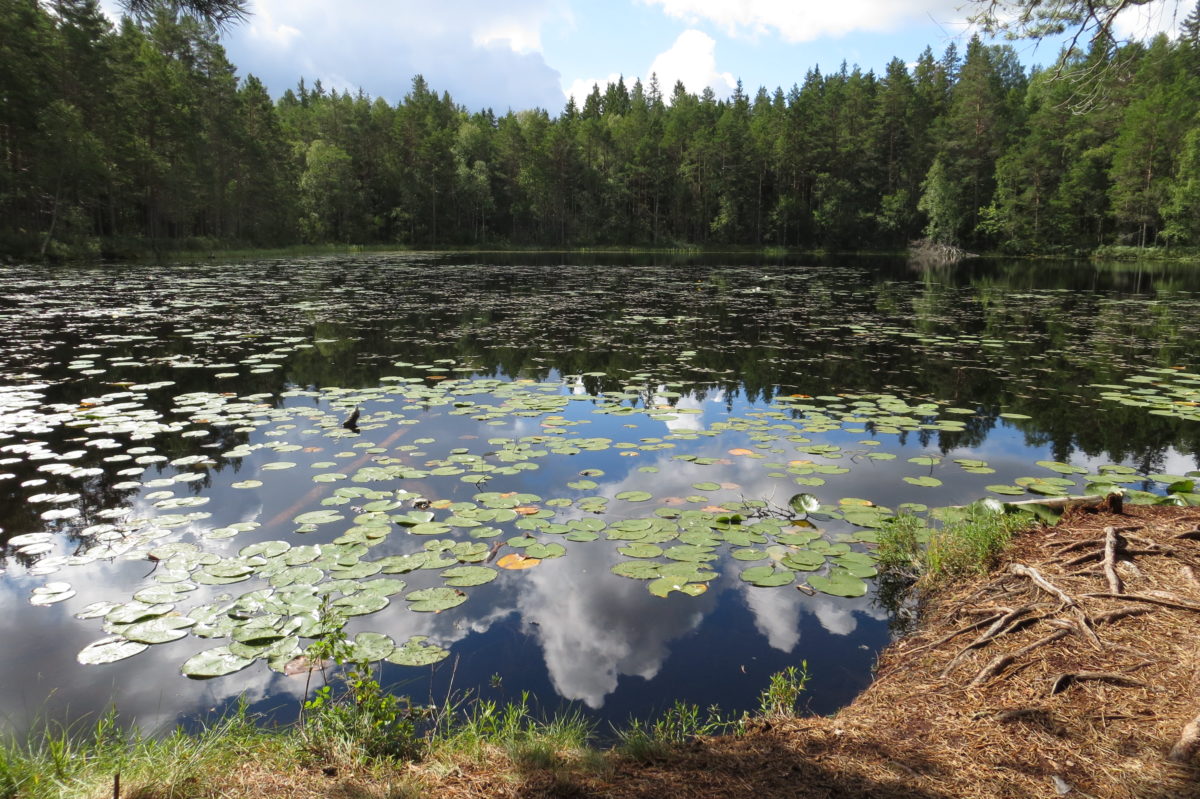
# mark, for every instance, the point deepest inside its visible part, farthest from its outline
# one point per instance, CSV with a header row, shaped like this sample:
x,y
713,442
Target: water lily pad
x,y
517,561
435,600
465,576
216,662
360,603
369,647
839,583
415,652
318,517
109,650
160,630
768,576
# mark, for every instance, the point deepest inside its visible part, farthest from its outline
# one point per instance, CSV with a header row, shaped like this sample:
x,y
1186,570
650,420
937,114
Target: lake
x,y
598,479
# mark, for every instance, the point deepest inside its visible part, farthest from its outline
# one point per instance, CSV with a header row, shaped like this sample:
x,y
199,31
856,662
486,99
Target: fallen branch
x,y
1041,582
999,663
1063,681
1187,745
1110,561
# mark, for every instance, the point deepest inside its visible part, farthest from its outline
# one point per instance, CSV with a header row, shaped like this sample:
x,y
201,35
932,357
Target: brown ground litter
x,y
1079,689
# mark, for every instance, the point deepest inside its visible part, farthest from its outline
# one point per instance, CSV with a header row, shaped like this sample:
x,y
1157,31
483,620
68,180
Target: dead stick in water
x,y
1110,561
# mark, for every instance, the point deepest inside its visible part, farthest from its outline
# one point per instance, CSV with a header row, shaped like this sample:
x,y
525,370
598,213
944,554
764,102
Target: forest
x,y
124,139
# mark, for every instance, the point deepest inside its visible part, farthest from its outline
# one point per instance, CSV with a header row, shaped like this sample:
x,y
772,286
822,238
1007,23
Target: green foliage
x,y
784,690
970,545
178,152
361,720
901,545
682,722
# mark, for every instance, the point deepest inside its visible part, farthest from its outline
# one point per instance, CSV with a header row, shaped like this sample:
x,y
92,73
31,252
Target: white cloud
x,y
580,88
805,20
1145,21
693,60
485,54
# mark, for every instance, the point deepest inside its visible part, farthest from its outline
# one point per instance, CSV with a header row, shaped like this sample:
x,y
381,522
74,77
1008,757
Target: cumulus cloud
x,y
805,21
484,54
693,60
1145,21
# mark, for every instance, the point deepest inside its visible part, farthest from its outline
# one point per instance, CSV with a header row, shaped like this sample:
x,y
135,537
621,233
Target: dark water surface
x,y
148,414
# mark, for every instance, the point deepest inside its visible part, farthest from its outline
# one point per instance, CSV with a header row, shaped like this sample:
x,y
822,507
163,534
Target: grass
x,y
968,545
354,728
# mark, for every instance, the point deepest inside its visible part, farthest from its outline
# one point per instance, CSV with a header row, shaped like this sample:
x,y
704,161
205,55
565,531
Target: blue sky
x,y
524,53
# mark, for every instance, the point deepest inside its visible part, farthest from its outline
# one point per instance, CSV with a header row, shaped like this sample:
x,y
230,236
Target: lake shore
x,y
1097,710
1004,688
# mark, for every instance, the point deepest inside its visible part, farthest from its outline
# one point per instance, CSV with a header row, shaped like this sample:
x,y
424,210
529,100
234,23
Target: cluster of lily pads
x,y
103,426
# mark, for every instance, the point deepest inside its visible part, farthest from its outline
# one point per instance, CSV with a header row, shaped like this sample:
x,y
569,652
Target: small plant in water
x,y
645,741
784,690
362,718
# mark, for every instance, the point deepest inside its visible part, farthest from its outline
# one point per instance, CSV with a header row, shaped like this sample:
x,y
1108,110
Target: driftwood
x,y
1188,744
1110,561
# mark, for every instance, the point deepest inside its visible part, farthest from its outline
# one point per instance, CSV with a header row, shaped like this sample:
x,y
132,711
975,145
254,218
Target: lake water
x,y
174,466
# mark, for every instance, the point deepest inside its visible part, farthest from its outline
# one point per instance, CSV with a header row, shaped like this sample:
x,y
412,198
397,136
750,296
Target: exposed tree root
x,y
1111,541
1001,662
1064,681
1178,604
1041,582
1188,744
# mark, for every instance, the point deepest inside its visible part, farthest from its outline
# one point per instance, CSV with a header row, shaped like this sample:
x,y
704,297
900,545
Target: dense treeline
x,y
144,136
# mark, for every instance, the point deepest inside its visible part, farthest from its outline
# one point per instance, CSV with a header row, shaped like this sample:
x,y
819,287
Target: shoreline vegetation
x,y
922,253
1044,659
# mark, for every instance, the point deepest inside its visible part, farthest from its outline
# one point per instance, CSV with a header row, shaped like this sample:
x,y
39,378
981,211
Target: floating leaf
x,y
465,576
839,583
435,600
517,561
109,650
215,662
415,652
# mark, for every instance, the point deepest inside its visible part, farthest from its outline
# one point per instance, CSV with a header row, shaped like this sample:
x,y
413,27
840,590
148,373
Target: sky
x,y
517,54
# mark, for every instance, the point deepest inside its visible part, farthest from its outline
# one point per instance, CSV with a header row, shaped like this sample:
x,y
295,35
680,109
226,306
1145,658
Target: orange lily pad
x,y
517,561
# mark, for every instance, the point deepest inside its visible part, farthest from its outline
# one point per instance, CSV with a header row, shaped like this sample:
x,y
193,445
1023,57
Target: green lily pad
x,y
768,576
109,650
839,583
415,652
215,662
434,600
465,576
